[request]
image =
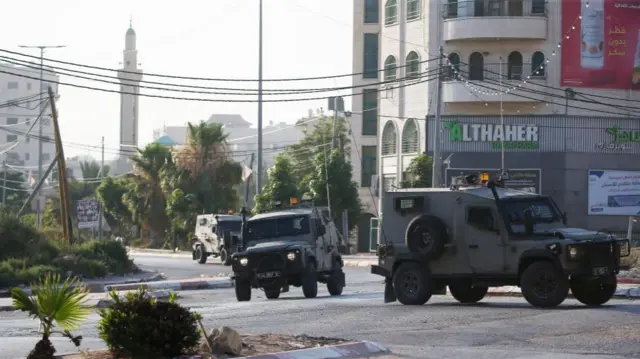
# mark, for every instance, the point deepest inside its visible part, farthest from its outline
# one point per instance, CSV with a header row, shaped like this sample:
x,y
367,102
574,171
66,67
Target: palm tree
x,y
53,303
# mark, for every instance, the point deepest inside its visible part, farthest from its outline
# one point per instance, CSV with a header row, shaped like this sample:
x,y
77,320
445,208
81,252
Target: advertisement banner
x,y
604,49
527,180
614,193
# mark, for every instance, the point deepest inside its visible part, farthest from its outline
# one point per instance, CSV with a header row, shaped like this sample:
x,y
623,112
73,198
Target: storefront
x,y
590,166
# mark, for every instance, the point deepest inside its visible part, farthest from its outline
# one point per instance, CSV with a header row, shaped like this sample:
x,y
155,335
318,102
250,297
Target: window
x,y
370,56
278,227
12,138
538,7
371,11
516,7
514,70
537,64
451,10
390,68
413,65
410,137
369,165
454,65
12,121
27,156
476,67
46,157
12,85
481,218
389,139
391,12
370,112
413,9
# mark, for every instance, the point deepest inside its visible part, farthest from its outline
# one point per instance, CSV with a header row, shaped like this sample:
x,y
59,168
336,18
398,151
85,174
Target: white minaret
x,y
130,76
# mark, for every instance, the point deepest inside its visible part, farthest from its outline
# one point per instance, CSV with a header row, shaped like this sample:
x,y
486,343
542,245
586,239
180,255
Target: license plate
x,y
267,275
600,270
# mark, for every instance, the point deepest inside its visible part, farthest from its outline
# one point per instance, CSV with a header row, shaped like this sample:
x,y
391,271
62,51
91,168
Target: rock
x,y
225,340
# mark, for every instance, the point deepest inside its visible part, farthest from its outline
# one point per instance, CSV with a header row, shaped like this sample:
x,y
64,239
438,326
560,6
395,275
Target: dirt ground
x,y
254,344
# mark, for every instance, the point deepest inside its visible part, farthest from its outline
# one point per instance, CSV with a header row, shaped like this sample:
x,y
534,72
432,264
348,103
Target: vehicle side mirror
x,y
564,218
322,230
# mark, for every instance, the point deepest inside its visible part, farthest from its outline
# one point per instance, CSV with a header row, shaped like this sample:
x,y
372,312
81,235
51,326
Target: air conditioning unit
x,y
375,185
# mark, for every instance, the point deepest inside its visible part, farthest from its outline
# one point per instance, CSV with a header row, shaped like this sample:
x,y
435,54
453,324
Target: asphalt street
x,y
496,328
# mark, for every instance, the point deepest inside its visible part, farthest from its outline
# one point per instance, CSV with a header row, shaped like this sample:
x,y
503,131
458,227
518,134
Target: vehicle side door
x,y
319,243
485,245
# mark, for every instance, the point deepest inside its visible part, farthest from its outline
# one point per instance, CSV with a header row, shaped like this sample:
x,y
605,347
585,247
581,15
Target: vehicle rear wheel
x,y
243,290
310,281
594,292
225,259
272,293
412,284
201,255
543,285
335,282
466,293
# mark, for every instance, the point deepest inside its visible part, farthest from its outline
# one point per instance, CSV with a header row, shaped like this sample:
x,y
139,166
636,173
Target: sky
x,y
192,38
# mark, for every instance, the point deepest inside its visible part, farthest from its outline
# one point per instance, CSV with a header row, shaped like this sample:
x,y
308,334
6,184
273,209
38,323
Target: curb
x,y
190,284
621,293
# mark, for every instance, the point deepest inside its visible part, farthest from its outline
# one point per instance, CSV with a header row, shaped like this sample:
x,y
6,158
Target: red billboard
x,y
604,49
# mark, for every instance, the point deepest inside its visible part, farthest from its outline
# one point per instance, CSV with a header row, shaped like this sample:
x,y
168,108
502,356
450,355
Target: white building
x,y
19,108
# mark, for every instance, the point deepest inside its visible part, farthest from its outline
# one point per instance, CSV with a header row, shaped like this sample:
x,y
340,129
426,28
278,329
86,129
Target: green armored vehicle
x,y
478,234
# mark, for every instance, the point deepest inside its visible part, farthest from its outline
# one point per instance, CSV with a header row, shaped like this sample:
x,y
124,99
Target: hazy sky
x,y
195,38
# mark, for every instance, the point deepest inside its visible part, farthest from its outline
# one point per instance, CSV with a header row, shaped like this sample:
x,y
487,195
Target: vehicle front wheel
x,y
243,290
225,259
310,281
466,293
272,293
594,292
335,282
543,285
201,255
412,284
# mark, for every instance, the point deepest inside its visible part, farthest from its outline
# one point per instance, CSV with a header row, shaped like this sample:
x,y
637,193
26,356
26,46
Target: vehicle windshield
x,y
278,227
233,226
541,210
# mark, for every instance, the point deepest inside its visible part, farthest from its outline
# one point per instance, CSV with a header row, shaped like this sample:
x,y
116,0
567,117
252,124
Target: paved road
x,y
498,328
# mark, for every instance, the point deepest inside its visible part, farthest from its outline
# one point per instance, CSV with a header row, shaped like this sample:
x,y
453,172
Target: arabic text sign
x,y
604,49
88,213
527,180
614,192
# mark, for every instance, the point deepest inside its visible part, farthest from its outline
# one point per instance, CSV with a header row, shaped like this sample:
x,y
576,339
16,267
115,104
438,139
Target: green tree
x,y
281,185
110,193
15,192
91,169
419,172
343,190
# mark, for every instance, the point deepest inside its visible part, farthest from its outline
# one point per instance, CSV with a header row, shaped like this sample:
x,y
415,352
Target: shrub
x,y
141,327
18,239
113,254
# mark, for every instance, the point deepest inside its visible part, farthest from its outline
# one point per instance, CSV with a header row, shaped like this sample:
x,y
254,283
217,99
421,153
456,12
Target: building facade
x,y
518,63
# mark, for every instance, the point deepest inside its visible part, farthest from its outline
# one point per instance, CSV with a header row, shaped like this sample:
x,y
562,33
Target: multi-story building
x,y
19,108
533,86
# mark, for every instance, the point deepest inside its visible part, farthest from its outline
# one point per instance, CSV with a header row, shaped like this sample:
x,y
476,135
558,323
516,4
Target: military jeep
x,y
296,246
215,235
478,234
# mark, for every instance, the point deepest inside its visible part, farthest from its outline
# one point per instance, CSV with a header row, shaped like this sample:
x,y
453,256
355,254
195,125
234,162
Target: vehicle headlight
x,y
244,261
291,256
573,252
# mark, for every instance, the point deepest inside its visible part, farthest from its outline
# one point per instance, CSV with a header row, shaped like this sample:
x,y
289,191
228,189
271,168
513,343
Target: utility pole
x,y
101,177
336,104
436,181
259,184
326,178
4,183
40,125
248,182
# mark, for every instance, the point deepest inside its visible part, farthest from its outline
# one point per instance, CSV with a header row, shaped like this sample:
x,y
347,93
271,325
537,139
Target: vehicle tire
x,y
543,285
243,290
466,293
335,282
595,292
272,293
225,258
412,284
310,281
427,235
201,256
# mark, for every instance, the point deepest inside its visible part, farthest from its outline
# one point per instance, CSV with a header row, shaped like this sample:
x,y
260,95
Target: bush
x,y
141,327
17,271
111,253
17,238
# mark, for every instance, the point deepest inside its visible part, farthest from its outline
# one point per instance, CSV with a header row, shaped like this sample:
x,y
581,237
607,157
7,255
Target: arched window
x,y
413,9
410,137
538,64
514,70
390,68
389,139
476,67
413,66
391,12
454,65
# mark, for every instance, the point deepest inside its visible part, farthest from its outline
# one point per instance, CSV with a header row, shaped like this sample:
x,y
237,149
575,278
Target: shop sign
x,y
622,140
513,136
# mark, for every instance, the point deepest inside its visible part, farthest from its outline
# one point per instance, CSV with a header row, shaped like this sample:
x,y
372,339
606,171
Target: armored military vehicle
x,y
478,234
216,235
294,246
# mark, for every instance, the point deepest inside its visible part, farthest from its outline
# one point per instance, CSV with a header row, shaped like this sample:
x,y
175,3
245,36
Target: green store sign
x,y
623,136
512,136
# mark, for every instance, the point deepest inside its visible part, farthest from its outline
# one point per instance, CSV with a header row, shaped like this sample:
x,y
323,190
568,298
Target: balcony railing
x,y
496,72
480,8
